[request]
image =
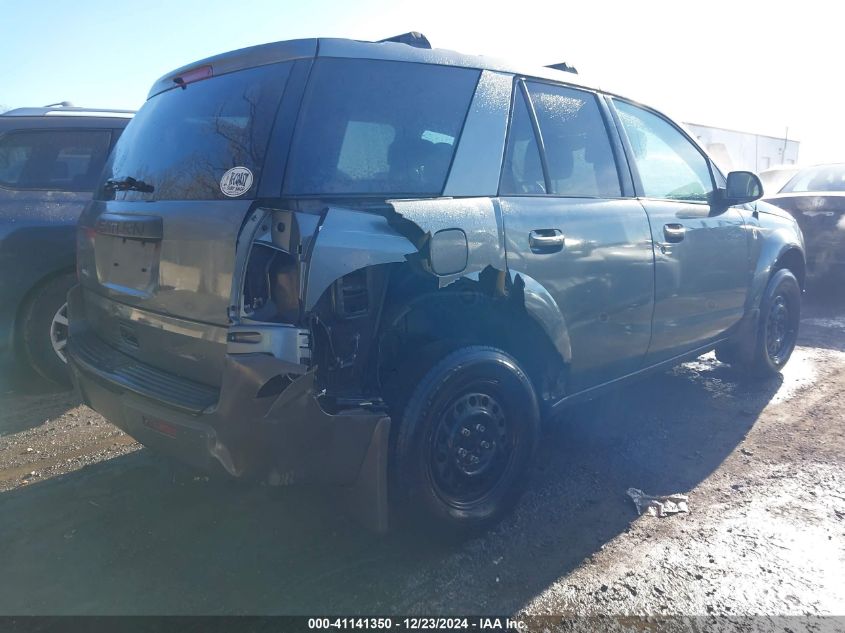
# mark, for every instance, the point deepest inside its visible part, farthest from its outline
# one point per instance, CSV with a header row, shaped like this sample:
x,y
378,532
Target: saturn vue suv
x,y
377,266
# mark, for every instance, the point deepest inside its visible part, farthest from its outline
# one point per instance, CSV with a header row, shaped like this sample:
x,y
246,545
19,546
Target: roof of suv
x,y
70,111
331,47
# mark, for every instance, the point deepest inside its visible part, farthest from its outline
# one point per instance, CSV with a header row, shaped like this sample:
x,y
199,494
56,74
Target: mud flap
x,y
347,450
367,500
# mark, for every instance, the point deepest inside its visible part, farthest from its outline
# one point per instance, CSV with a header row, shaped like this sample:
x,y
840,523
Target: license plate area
x,y
127,265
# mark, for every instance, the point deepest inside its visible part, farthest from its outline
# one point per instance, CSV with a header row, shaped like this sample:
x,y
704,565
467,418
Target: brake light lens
x,y
84,244
193,75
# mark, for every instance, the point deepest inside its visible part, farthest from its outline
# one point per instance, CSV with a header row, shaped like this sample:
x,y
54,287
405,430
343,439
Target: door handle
x,y
674,233
546,240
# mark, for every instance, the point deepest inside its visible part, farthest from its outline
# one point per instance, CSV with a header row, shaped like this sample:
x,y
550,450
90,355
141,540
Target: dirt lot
x,y
92,523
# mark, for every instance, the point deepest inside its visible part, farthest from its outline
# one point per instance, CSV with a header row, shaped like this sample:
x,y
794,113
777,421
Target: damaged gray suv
x,y
378,267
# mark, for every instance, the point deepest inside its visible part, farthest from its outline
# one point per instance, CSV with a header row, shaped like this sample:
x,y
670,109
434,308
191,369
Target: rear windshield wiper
x,y
128,184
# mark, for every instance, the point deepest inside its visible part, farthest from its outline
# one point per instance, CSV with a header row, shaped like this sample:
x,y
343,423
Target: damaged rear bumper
x,y
286,436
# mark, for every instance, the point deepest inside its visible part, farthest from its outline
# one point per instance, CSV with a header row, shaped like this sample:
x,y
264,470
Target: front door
x,y
701,251
569,227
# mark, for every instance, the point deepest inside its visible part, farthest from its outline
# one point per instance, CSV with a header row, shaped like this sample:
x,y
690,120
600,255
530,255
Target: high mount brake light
x,y
193,75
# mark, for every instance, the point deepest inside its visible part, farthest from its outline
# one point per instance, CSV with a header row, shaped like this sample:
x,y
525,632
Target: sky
x,y
761,67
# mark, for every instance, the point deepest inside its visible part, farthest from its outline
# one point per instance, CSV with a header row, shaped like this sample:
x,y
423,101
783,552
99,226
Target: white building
x,y
733,150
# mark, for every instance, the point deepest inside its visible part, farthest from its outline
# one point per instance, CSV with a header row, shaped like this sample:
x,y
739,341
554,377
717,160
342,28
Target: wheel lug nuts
x,y
480,428
462,452
485,444
465,432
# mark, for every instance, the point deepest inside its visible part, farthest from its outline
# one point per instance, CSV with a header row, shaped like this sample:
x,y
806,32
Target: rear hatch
x,y
156,247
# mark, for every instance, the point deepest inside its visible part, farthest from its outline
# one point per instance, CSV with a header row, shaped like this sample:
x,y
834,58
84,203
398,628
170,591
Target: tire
x,y
466,440
43,328
777,329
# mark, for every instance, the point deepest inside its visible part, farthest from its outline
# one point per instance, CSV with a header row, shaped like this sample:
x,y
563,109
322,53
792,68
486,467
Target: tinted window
x,y
182,141
373,127
578,154
670,166
63,160
522,172
824,178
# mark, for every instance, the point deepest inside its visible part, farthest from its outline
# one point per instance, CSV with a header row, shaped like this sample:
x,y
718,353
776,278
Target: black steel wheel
x,y
466,439
780,314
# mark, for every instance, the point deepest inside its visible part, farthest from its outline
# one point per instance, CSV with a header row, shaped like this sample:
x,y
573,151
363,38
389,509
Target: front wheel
x,y
466,441
777,330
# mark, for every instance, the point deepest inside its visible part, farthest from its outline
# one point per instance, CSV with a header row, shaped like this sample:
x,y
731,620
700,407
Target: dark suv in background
x,y
50,161
379,266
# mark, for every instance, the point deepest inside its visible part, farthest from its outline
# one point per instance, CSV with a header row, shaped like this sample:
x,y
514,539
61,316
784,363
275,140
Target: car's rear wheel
x,y
44,328
465,441
777,329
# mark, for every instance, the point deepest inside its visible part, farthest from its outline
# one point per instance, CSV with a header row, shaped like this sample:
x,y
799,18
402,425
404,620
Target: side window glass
x,y
378,127
578,152
522,172
61,160
670,167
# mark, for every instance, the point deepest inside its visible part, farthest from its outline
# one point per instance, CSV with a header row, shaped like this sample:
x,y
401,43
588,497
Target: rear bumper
x,y
192,441
285,436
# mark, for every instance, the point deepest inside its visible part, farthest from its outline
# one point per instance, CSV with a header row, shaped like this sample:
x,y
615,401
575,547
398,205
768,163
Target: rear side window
x,y
182,141
522,173
669,165
56,160
578,153
378,127
824,178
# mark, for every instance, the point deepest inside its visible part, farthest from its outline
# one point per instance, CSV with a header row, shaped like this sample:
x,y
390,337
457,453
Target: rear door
x,y
702,265
157,246
572,224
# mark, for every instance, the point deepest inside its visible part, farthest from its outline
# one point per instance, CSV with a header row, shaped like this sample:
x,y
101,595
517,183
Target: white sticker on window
x,y
236,182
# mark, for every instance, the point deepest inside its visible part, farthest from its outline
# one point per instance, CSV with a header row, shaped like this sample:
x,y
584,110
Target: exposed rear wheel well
x,y
423,322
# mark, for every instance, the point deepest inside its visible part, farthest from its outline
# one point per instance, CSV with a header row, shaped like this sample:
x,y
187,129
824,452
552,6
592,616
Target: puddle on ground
x,y
834,322
803,369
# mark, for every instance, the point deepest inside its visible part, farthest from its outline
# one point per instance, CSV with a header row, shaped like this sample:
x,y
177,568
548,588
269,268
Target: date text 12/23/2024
x,y
418,624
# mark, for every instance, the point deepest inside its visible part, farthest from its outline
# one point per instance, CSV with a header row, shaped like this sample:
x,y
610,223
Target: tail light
x,y
84,245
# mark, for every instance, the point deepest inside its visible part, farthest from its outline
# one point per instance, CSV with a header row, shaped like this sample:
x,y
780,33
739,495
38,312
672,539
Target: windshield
x,y
822,178
205,141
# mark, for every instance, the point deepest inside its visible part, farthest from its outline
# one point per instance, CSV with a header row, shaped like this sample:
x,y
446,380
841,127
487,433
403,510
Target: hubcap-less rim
x,y
58,332
472,447
778,330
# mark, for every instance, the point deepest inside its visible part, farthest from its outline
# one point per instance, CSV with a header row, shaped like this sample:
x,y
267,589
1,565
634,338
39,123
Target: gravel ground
x,y
94,524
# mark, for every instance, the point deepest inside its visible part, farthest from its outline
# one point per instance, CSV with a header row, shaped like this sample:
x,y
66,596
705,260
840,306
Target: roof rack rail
x,y
412,38
564,67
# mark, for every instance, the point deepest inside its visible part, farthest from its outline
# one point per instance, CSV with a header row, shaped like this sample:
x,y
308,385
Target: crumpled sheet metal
x,y
479,218
658,506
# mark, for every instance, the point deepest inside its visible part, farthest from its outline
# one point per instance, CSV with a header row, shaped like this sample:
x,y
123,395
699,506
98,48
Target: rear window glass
x,y
378,127
182,142
56,160
824,178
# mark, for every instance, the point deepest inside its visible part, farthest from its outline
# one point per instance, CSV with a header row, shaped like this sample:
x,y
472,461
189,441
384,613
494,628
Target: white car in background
x,y
776,177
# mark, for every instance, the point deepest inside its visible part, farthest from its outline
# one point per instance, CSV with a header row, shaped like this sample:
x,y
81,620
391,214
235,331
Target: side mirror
x,y
742,187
